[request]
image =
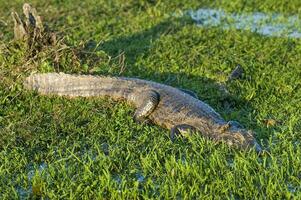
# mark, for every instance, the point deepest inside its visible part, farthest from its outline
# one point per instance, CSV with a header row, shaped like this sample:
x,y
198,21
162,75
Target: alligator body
x,y
164,105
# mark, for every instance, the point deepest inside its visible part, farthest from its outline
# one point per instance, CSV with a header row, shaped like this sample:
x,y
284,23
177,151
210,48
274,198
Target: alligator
x,y
178,110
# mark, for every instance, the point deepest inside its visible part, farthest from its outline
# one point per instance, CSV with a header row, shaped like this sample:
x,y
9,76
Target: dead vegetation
x,y
38,48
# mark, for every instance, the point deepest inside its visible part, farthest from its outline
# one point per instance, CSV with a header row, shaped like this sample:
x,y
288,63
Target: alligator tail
x,y
80,85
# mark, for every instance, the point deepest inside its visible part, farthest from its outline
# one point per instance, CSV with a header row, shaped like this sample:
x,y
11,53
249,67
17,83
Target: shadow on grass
x,y
127,49
139,43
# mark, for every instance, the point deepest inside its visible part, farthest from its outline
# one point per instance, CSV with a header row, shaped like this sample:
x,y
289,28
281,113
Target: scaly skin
x,y
164,105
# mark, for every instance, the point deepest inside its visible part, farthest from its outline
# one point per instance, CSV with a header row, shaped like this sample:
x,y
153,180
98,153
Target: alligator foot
x,y
149,101
183,130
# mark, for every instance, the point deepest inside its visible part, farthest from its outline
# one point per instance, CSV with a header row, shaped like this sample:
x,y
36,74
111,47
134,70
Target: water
x,y
267,24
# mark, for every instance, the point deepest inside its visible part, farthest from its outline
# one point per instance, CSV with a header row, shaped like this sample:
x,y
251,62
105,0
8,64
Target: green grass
x,y
58,148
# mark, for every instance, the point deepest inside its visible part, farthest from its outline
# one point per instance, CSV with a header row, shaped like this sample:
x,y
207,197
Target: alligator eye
x,y
235,124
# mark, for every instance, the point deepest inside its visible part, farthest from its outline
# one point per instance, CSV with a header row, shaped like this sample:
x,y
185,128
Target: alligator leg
x,y
181,130
190,93
149,101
